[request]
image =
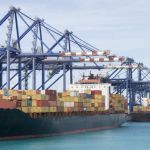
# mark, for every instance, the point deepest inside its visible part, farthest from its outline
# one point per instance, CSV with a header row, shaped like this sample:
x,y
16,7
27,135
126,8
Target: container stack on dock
x,y
145,107
117,102
44,101
141,109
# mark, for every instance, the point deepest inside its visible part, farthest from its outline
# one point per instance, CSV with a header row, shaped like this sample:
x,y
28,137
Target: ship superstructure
x,y
92,82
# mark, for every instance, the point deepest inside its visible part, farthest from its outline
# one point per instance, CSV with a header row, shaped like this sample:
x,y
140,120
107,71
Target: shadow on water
x,y
130,136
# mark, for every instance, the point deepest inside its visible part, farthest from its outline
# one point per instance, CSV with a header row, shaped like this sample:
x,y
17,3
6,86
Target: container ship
x,y
141,113
86,106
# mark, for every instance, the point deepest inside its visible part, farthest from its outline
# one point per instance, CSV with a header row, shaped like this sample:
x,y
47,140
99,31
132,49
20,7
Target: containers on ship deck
x,y
85,101
30,101
145,107
96,92
4,104
74,93
117,102
141,108
35,101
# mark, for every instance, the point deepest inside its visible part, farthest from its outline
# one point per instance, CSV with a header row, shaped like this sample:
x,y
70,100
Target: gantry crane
x,y
32,45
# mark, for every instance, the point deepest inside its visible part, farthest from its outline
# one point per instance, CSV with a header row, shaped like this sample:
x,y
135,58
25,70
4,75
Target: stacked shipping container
x,y
36,101
117,102
144,108
141,109
87,101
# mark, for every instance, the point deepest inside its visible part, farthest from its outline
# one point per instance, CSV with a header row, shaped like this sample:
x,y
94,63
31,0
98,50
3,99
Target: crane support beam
x,y
25,32
5,17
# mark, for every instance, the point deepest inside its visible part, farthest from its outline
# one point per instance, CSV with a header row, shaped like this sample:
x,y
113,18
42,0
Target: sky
x,y
120,26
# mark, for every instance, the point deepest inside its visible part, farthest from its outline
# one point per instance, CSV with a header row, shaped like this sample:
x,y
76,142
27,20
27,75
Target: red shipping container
x,y
70,109
7,104
1,96
38,92
14,97
18,103
53,98
60,109
50,92
96,92
42,103
52,103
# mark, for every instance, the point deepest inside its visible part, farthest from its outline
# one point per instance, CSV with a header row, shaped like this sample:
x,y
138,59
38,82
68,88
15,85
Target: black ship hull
x,y
16,124
140,117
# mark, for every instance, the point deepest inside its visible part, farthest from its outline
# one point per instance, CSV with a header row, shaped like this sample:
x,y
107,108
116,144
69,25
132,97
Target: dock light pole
x,y
140,79
64,77
35,30
64,64
8,42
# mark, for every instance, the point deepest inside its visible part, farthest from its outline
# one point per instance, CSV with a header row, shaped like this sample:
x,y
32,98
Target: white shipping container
x,y
74,93
68,104
144,101
42,91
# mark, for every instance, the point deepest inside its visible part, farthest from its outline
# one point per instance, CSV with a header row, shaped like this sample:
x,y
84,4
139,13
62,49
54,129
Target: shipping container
x,y
68,104
66,93
96,92
42,103
25,109
52,103
74,93
54,109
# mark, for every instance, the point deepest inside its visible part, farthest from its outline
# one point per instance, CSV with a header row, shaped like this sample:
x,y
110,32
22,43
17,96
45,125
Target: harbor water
x,y
130,136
